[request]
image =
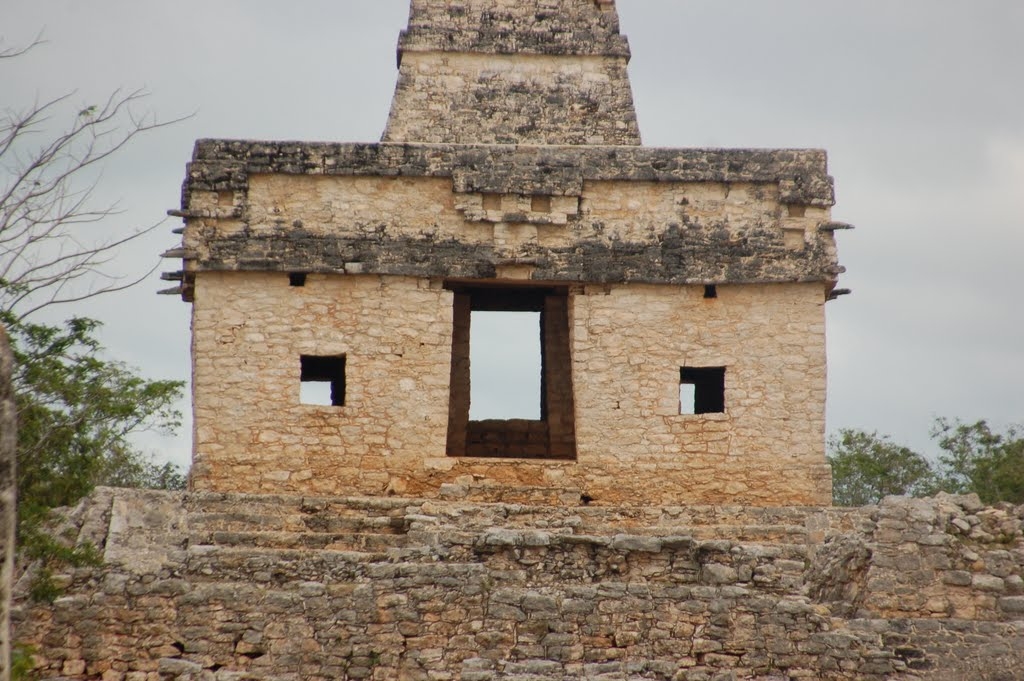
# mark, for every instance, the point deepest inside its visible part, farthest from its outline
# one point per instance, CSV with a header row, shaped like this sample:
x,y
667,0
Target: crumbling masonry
x,y
666,518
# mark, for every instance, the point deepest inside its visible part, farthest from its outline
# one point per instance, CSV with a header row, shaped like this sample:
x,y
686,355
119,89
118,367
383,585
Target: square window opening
x,y
702,390
296,278
322,380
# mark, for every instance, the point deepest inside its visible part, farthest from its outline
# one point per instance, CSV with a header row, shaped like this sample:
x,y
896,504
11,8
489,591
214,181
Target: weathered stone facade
x,y
632,443
512,72
224,587
510,178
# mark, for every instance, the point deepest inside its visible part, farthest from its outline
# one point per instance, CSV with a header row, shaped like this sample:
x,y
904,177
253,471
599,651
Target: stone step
x,y
506,555
277,566
593,519
283,504
361,514
750,534
533,513
479,669
739,533
269,565
326,522
694,515
331,541
474,520
496,493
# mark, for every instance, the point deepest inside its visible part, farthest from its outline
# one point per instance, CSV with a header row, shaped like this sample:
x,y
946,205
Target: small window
x,y
296,278
710,291
702,390
323,380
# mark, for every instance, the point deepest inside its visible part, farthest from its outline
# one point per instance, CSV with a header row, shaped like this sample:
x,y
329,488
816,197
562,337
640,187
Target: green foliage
x,y
76,411
22,662
869,466
976,459
973,459
48,553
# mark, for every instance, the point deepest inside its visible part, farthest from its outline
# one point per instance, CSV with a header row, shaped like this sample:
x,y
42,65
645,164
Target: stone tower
x,y
487,72
680,292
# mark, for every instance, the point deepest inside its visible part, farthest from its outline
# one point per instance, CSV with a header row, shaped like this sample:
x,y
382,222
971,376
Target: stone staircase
x,y
309,538
229,587
496,587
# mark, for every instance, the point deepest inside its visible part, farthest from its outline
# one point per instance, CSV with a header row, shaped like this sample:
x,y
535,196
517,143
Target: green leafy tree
x,y
76,412
973,459
976,459
867,467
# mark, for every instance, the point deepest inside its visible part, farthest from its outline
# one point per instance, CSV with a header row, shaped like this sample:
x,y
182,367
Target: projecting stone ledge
x,y
801,174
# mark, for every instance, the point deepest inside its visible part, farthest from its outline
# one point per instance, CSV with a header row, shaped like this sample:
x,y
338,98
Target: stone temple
x,y
679,293
667,516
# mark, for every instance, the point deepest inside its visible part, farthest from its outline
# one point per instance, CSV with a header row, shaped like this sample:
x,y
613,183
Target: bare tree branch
x,y
11,52
47,184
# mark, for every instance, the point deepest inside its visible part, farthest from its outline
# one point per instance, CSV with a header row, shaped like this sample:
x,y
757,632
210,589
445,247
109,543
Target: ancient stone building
x,y
510,177
562,548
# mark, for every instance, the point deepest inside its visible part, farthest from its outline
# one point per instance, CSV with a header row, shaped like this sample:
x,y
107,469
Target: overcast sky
x,y
918,102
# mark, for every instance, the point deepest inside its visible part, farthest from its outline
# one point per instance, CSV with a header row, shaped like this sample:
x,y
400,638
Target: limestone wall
x,y
227,587
627,345
509,100
513,72
252,433
730,232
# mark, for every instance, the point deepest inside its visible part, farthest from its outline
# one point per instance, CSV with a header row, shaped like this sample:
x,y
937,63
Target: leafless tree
x,y
48,254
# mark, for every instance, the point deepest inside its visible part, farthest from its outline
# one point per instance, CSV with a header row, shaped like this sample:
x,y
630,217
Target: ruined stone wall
x,y
513,72
627,343
512,100
226,587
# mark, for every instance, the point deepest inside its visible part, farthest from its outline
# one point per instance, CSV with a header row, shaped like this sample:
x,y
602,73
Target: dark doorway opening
x,y
549,432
